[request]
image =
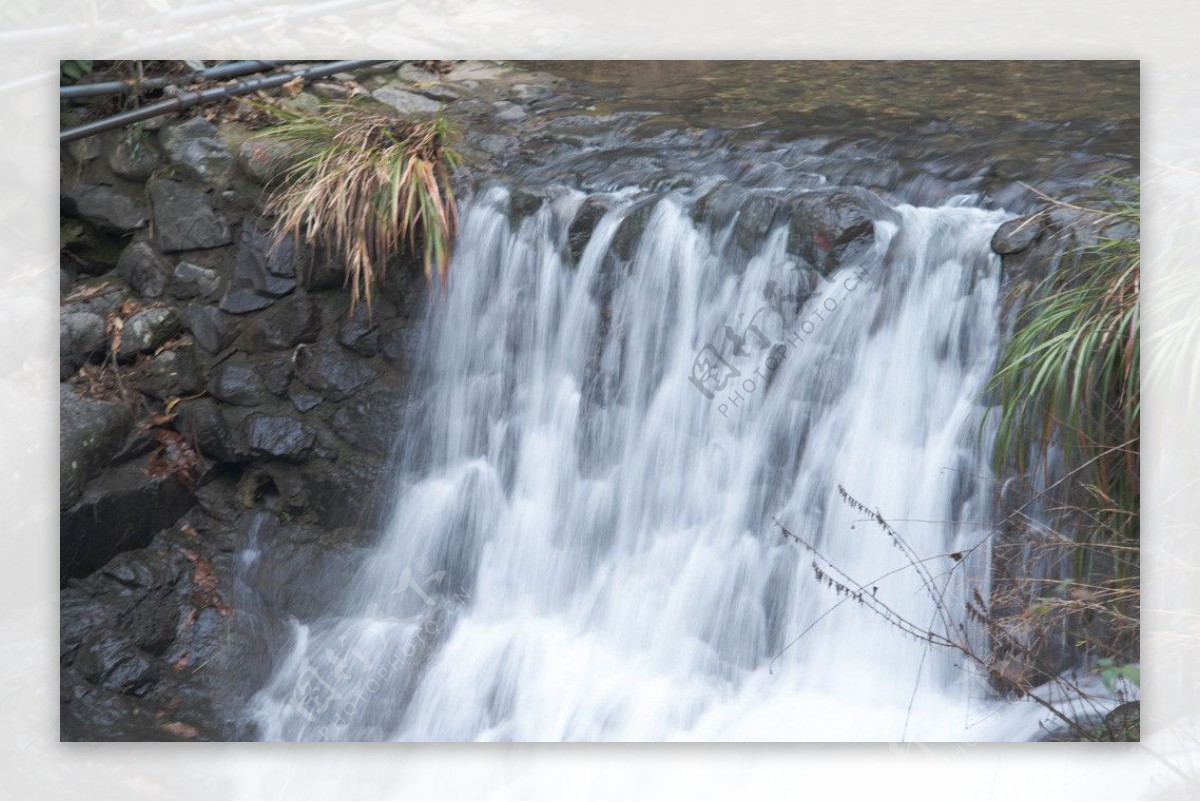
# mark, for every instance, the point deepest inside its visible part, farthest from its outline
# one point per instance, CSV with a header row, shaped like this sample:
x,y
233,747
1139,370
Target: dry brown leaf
x,y
180,729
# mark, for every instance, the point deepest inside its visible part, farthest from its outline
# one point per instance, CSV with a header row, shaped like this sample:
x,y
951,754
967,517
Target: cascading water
x,y
582,546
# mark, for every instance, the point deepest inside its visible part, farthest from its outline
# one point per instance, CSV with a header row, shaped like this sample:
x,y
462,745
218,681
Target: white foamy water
x,y
582,545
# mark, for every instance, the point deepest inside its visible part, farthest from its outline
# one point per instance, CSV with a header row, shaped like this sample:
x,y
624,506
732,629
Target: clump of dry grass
x,y
366,186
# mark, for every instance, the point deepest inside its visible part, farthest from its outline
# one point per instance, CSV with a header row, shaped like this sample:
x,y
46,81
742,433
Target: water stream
x,y
583,546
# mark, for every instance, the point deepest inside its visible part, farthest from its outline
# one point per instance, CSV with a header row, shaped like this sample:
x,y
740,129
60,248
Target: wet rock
x,y
276,374
401,344
1014,236
265,159
527,93
280,437
90,432
302,398
524,203
829,227
236,383
144,268
148,329
212,329
629,231
754,220
581,228
506,112
290,322
105,208
320,272
332,371
360,332
370,421
133,158
184,217
203,423
114,662
195,147
118,511
343,492
80,337
407,103
262,272
190,280
171,373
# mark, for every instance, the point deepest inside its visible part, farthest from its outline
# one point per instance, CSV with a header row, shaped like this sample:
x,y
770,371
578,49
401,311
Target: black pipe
x,y
186,100
234,70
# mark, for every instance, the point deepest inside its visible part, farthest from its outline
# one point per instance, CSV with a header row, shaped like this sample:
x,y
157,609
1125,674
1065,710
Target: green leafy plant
x,y
366,186
1069,377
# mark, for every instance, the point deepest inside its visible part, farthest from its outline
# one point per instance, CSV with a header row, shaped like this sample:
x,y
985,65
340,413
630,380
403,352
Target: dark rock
x,y
90,433
1014,236
195,146
190,280
212,329
171,373
290,322
276,374
262,272
236,383
265,159
118,511
280,436
332,371
581,228
148,329
134,158
303,399
370,421
524,203
629,231
1011,169
400,343
828,227
144,268
754,220
345,492
360,332
321,272
80,337
184,217
202,422
114,662
105,208
407,103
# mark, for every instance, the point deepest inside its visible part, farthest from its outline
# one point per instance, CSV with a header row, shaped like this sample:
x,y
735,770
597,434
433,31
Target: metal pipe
x,y
233,70
186,100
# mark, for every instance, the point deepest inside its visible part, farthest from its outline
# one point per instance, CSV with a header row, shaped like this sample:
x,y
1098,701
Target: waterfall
x,y
582,545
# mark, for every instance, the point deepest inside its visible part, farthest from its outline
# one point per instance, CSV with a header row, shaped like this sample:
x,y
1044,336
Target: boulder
x,y
184,217
203,423
265,159
236,383
113,661
212,329
133,158
171,373
90,433
828,227
80,337
144,268
1015,236
191,280
370,421
148,329
332,371
407,103
288,323
754,220
360,332
118,511
195,147
280,437
262,272
105,208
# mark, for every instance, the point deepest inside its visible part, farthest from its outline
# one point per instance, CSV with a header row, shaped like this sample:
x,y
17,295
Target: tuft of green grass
x,y
1070,377
366,186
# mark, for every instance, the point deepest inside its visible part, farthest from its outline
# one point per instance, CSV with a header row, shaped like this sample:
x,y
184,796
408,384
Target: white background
x,y
35,34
